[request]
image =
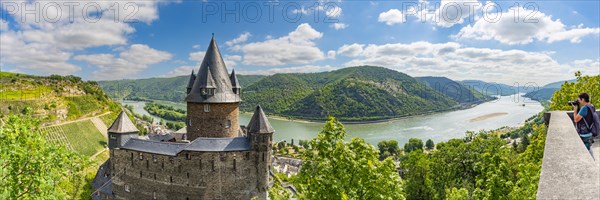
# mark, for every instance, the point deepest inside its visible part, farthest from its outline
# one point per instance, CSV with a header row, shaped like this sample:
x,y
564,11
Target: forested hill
x,y
354,93
545,93
455,90
52,99
168,89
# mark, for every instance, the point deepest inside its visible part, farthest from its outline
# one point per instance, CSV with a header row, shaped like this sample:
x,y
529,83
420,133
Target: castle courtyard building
x,y
216,158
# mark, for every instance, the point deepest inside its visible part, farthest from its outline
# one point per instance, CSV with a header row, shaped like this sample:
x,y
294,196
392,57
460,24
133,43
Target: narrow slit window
x,y
206,107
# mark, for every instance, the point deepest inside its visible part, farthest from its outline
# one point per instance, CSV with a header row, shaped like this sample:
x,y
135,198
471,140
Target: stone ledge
x,y
568,170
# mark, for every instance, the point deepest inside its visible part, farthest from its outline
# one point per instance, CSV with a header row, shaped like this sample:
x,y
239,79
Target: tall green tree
x,y
31,168
570,91
418,184
429,144
334,169
413,144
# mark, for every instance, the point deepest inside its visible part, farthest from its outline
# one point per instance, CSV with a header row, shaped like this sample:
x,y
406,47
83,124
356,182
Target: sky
x,y
511,42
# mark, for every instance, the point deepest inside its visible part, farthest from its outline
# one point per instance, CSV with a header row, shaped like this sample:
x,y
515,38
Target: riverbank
x,y
370,121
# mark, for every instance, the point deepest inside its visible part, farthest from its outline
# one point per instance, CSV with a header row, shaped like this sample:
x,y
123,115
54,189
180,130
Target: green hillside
x,y
455,90
167,89
52,99
355,93
545,93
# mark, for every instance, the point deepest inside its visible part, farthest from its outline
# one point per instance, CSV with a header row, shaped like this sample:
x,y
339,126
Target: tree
x,y
429,144
570,91
413,144
457,194
387,148
334,169
418,184
31,168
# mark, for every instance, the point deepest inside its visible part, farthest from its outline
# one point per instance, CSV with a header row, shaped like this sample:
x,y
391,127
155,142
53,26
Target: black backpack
x,y
594,126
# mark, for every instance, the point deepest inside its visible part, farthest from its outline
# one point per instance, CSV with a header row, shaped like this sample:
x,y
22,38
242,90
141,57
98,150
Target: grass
x,y
81,105
8,93
83,137
109,118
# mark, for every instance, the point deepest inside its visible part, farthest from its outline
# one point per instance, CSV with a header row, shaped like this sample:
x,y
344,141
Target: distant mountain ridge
x,y
354,93
171,89
455,90
489,88
545,93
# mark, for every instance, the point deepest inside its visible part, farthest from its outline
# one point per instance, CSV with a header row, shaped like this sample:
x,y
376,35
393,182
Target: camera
x,y
574,103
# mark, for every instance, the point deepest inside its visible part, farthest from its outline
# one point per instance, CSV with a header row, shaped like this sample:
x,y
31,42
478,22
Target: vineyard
x,y
82,137
56,135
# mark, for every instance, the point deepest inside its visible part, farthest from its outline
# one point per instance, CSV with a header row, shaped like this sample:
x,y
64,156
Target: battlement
x,y
568,170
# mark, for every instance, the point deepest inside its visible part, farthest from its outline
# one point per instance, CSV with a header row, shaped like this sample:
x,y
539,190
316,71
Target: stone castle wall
x,y
212,123
189,175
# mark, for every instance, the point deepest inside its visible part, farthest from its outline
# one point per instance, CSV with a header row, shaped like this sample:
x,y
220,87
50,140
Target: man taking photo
x,y
583,117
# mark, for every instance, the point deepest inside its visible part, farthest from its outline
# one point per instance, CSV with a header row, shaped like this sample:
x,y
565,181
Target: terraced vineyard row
x,y
56,135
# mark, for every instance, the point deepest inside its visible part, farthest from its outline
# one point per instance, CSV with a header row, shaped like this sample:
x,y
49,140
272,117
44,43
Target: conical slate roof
x,y
259,122
122,125
213,74
191,81
234,81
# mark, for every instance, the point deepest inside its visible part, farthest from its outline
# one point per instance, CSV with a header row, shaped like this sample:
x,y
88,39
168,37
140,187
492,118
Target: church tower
x,y
214,98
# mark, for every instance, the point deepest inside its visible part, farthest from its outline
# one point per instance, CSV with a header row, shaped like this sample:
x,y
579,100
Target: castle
x,y
215,159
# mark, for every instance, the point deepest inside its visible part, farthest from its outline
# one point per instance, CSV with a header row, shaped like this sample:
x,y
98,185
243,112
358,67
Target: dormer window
x,y
207,91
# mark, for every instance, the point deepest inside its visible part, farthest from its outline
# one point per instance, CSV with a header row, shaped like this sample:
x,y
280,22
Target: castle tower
x,y
212,103
121,130
191,82
260,133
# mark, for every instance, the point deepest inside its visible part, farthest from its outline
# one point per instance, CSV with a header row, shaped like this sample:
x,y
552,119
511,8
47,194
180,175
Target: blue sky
x,y
522,42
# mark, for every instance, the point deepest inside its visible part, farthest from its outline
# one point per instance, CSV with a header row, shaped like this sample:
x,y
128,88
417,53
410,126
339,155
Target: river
x,y
505,111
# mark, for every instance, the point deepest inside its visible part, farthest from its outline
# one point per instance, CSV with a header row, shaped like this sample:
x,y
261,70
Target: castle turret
x,y
235,84
121,130
212,104
260,133
191,82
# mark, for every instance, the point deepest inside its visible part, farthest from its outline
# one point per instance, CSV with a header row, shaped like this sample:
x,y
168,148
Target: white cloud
x,y
180,71
351,50
300,69
391,17
196,46
297,47
240,39
586,67
338,26
131,61
457,62
47,44
197,56
331,54
34,56
538,26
